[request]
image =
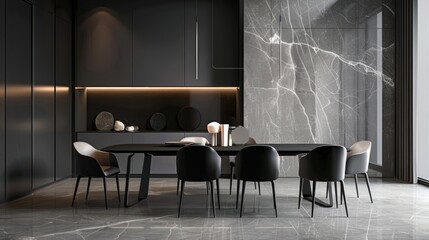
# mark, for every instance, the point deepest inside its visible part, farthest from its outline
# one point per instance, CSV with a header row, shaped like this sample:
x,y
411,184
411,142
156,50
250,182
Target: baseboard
x,y
423,181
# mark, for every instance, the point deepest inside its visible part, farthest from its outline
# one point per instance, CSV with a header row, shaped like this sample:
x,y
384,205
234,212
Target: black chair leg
x,y
255,185
314,198
344,196
341,195
259,186
230,179
177,188
238,194
75,189
242,198
301,182
87,188
274,197
356,184
213,203
336,195
105,191
218,195
367,184
207,187
182,189
327,189
117,186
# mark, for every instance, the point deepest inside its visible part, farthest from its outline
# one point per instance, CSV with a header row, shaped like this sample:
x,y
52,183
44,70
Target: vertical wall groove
x,y
404,91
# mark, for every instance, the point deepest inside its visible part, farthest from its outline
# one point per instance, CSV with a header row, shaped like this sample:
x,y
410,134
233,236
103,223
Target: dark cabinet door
x,y
158,43
211,46
18,98
103,43
63,99
43,97
2,101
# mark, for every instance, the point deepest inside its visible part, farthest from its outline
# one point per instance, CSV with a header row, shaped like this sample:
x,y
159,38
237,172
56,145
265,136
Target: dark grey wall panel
x,y
63,99
100,140
158,40
18,98
64,10
160,164
43,97
2,101
47,5
103,43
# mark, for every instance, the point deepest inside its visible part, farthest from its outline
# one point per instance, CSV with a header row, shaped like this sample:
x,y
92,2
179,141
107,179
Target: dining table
x,y
150,150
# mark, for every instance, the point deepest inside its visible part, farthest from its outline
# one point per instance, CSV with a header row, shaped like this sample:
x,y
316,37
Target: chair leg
x,y
301,182
75,189
87,188
238,194
177,188
218,195
230,179
274,197
105,191
255,185
367,184
341,195
336,195
259,187
117,186
182,189
356,184
242,198
344,196
213,203
327,189
207,187
314,198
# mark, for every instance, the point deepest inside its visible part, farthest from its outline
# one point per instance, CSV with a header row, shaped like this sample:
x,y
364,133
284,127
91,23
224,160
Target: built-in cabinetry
x,y
2,101
35,94
212,45
158,43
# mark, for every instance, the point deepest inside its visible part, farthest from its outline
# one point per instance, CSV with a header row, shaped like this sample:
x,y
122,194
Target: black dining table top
x,y
286,149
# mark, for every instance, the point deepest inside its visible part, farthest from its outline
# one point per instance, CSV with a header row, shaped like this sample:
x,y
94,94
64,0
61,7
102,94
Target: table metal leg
x,y
306,191
144,180
127,181
145,177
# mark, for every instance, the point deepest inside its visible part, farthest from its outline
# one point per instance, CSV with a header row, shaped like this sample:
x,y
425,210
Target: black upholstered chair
x,y
90,163
232,166
257,163
323,164
198,163
358,161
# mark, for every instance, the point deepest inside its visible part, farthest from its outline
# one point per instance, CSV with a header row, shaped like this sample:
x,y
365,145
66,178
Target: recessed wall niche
x,y
134,106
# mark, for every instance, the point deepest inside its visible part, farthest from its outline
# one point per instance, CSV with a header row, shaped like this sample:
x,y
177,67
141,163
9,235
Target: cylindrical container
x,y
224,135
214,139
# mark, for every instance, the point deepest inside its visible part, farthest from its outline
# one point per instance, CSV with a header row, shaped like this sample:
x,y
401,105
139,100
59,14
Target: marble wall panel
x,y
322,74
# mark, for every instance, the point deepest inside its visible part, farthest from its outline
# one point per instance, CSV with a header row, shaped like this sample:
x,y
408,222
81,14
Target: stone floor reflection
x,y
400,211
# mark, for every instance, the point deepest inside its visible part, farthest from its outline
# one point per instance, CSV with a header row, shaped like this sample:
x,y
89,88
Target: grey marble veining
x,y
400,211
319,72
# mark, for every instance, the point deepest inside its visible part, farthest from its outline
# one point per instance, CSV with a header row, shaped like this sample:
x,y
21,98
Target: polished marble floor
x,y
400,211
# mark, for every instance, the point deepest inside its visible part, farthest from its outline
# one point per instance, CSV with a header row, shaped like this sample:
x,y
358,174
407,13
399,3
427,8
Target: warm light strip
x,y
159,88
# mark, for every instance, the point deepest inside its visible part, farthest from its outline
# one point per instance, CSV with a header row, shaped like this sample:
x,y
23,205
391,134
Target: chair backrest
x,y
196,140
89,160
326,163
257,163
198,163
358,157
